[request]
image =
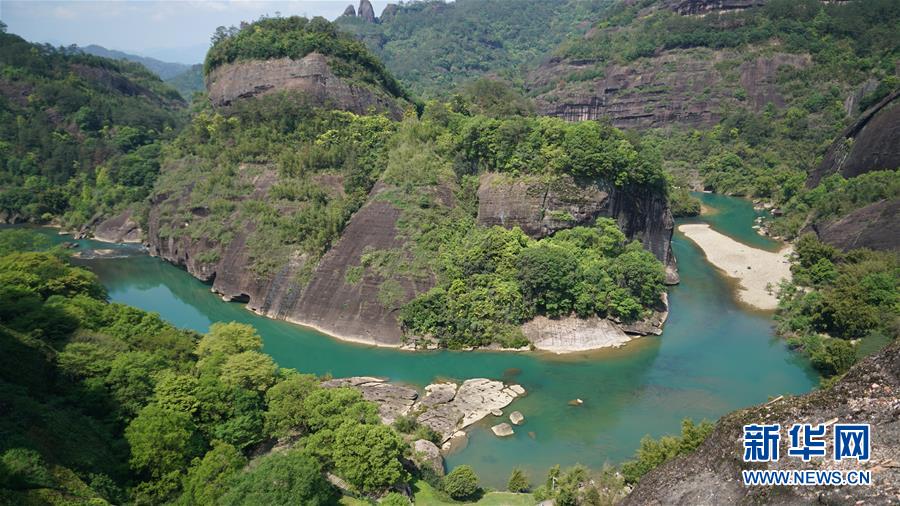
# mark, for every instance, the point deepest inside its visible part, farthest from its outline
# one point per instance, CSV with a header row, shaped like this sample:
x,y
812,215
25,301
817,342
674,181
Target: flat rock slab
x,y
516,418
503,430
445,408
393,400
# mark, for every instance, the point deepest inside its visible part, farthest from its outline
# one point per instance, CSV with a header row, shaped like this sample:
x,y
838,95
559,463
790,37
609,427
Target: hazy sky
x,y
171,30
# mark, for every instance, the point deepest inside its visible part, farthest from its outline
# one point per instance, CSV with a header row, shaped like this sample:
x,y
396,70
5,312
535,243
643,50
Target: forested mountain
x,y
433,46
309,207
165,70
187,79
79,135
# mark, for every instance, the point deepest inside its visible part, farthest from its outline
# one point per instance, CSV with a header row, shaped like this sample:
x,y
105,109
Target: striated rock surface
x,y
327,301
701,7
310,75
119,228
869,393
683,87
870,143
875,226
573,334
542,206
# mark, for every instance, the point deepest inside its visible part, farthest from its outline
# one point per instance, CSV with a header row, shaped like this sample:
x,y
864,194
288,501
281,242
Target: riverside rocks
x,y
446,408
517,418
503,430
426,453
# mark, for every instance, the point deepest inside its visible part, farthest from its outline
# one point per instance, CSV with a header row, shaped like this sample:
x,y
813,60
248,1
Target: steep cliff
x,y
542,205
711,475
872,142
679,87
311,75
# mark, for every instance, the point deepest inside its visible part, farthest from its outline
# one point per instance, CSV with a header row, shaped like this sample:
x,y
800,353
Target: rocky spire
x,y
349,11
366,11
390,10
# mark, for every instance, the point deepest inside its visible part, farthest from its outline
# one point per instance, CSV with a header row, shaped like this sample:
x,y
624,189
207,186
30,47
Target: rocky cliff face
x,y
682,87
540,207
319,295
869,393
874,226
870,143
310,75
701,7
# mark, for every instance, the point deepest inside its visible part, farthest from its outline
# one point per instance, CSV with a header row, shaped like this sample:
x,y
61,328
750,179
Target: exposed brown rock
x,y
366,11
389,12
699,7
870,143
869,393
541,206
119,228
875,226
426,453
683,87
310,75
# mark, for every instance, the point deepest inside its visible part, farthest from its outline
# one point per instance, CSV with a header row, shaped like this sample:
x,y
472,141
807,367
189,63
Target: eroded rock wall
x,y
681,87
310,75
541,206
871,143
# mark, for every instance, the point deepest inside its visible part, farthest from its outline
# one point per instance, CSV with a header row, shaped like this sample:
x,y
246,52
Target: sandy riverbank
x,y
757,271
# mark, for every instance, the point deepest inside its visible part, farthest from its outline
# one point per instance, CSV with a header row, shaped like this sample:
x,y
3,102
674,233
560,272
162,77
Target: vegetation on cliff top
x,y
318,166
79,373
295,37
79,134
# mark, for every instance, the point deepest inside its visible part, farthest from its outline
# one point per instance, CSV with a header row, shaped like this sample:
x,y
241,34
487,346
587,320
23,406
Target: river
x,y
712,358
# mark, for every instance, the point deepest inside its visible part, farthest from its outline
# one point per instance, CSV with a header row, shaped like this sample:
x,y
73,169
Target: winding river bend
x,y
714,356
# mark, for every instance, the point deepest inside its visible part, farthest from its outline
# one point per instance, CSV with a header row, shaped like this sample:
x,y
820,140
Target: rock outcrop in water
x,y
869,393
311,75
446,408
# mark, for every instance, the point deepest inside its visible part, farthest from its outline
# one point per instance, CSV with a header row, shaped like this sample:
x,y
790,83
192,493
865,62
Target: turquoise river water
x,y
713,357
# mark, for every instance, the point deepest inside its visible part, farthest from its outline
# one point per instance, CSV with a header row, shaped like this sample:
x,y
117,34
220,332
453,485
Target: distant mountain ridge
x,y
165,70
185,78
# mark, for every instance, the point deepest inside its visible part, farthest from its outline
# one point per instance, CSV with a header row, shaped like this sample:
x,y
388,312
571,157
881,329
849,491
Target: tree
x,y
518,481
208,478
292,477
285,403
229,338
161,441
461,482
368,456
132,378
329,408
249,369
547,275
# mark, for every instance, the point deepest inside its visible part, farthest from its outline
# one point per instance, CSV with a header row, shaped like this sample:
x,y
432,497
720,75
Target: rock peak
x,y
349,11
366,11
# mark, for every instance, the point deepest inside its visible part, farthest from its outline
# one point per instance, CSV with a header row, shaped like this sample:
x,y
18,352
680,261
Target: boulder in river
x,y
516,418
503,430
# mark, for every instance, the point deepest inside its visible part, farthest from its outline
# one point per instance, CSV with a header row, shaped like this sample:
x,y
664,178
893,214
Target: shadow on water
x,y
713,357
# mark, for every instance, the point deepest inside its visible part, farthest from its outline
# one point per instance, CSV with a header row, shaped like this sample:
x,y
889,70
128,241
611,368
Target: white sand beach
x,y
755,270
